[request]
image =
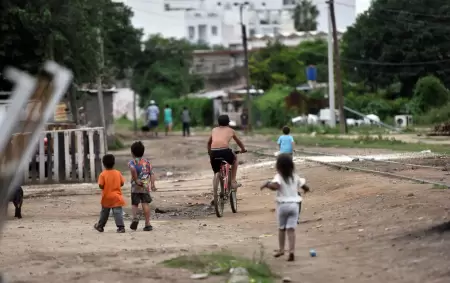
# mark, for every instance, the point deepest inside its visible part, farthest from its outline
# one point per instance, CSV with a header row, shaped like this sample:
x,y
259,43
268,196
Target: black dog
x,y
17,199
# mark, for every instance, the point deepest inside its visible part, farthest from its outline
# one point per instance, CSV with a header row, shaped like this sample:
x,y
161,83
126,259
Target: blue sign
x,y
311,73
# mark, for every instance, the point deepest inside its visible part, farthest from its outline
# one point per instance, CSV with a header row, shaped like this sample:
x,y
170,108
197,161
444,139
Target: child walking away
x,y
110,182
286,183
141,176
286,142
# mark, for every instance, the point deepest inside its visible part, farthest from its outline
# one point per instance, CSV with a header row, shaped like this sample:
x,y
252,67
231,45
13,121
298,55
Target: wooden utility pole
x,y
100,84
337,70
247,67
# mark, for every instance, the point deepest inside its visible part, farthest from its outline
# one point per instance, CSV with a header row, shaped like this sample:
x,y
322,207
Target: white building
x,y
217,22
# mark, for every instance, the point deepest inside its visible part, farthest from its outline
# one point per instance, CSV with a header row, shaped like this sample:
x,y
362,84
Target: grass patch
x,y
220,264
378,142
439,187
324,130
116,144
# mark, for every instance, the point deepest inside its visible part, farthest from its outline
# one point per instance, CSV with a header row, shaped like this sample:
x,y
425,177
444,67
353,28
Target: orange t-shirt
x,y
112,181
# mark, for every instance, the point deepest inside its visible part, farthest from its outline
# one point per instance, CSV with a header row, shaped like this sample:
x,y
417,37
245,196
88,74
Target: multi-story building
x,y
217,22
205,27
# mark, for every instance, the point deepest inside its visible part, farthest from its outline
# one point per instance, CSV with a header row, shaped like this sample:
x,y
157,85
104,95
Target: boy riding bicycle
x,y
218,147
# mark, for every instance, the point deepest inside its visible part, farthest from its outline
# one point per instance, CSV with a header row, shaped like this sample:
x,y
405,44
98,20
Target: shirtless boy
x,y
218,147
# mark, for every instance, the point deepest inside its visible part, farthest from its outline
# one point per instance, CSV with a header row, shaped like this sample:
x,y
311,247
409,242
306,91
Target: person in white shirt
x,y
286,183
153,117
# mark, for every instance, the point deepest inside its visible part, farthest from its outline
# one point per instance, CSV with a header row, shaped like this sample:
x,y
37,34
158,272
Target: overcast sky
x,y
150,15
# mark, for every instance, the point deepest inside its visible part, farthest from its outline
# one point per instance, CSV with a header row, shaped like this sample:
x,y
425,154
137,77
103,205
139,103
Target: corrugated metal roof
x,y
210,94
296,34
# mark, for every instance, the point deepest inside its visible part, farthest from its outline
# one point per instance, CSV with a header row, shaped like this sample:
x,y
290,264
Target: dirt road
x,y
364,228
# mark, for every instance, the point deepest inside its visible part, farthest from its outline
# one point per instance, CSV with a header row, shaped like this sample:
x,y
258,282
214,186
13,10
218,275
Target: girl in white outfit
x,y
287,184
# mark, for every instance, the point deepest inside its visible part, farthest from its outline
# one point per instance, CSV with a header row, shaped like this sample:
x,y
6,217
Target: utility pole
x,y
100,87
337,61
246,63
135,127
331,98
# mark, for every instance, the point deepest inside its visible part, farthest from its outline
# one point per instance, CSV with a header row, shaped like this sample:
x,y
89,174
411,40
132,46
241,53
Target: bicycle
x,y
223,179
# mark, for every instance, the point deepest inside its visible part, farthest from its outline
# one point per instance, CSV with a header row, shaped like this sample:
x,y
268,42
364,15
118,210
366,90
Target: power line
x,y
414,13
397,63
373,62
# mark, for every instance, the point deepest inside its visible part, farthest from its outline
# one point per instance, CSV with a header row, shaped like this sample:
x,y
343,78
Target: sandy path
x,y
364,228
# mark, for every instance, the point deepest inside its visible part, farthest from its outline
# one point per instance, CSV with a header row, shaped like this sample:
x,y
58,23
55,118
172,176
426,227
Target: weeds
x,y
116,144
367,141
440,187
220,264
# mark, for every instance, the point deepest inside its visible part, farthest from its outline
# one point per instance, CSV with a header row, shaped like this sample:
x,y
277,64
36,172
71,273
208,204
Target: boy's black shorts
x,y
225,153
137,198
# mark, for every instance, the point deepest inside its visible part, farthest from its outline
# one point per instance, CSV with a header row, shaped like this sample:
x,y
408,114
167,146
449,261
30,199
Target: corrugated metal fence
x,y
64,156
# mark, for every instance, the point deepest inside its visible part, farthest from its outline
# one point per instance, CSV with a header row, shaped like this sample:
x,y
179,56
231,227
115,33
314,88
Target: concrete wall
x,y
220,69
92,112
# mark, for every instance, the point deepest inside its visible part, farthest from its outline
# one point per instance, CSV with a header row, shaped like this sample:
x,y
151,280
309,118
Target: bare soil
x,y
435,169
365,228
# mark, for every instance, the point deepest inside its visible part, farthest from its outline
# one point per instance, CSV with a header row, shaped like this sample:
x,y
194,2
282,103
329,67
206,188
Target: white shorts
x,y
287,214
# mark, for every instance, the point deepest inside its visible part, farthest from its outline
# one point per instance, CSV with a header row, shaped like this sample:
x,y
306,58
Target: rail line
x,y
365,170
257,150
359,158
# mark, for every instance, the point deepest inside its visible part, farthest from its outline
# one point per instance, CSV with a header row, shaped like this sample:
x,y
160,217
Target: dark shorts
x,y
137,198
153,124
226,154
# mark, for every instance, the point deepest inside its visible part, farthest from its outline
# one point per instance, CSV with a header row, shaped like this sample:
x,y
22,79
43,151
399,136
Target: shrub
x,y
429,93
374,103
435,115
271,107
201,110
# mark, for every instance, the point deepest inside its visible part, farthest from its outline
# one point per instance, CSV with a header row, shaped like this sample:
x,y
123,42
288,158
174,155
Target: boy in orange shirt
x,y
110,182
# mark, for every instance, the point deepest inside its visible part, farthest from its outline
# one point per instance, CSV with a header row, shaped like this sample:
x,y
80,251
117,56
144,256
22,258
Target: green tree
x,y
315,52
122,41
280,64
67,32
163,71
430,93
400,40
305,16
274,65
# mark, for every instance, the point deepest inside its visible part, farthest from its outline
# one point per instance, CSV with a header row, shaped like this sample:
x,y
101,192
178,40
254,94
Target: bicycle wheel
x,y
218,194
233,197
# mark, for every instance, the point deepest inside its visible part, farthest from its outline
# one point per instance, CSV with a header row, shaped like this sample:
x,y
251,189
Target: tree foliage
x,y
200,109
272,107
430,93
67,32
305,16
400,40
163,71
280,64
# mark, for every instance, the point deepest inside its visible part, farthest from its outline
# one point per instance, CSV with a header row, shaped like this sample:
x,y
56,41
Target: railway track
x,y
382,165
387,165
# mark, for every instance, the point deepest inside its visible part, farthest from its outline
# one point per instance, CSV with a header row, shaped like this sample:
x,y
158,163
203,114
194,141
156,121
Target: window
x,y
275,17
264,17
191,32
202,33
288,2
214,30
252,32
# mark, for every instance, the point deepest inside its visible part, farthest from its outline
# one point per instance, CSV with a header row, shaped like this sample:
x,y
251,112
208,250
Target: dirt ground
x,y
365,228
